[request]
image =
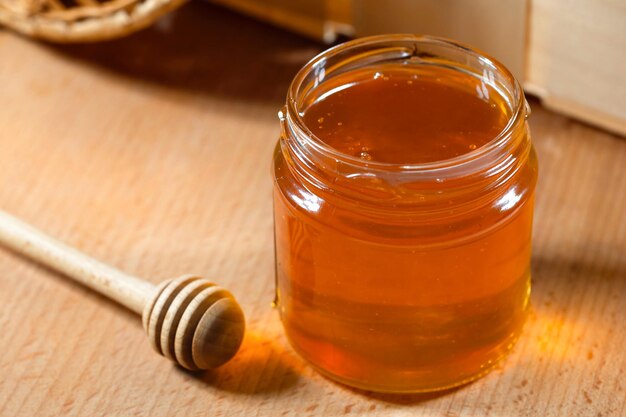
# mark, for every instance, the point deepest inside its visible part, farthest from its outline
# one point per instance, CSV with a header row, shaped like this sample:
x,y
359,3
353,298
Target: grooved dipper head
x,y
194,323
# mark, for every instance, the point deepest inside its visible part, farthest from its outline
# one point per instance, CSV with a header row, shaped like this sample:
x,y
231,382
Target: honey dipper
x,y
189,320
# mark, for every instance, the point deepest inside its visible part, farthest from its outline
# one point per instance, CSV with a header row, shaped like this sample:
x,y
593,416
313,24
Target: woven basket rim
x,y
88,23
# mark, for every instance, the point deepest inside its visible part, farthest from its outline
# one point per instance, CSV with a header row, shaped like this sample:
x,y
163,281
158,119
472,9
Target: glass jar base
x,y
486,368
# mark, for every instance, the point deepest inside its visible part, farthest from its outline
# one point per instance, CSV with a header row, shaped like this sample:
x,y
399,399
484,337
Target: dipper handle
x,y
127,290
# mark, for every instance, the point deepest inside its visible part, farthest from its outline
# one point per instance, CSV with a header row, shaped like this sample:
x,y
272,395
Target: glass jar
x,y
403,277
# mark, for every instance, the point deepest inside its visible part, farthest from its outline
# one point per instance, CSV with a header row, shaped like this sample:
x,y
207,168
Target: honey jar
x,y
403,201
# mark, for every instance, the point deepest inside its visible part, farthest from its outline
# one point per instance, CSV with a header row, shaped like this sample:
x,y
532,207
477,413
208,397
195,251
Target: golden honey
x,y
403,204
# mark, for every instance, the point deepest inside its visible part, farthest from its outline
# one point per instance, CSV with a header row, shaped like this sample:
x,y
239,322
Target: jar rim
x,y
294,116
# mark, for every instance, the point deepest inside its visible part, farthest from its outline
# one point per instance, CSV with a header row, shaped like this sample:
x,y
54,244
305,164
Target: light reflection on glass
x,y
508,200
335,90
310,202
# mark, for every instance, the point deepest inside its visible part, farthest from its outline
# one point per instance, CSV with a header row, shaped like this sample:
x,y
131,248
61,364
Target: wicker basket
x,y
81,20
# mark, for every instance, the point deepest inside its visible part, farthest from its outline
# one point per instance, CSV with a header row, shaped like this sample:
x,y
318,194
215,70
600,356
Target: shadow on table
x,y
408,399
261,366
205,49
578,271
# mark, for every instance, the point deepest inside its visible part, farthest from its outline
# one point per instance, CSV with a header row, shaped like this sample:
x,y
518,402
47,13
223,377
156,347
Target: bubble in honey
x,y
339,124
472,146
320,120
365,156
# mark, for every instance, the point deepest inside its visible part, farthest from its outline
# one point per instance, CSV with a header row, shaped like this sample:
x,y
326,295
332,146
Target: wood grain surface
x,y
152,153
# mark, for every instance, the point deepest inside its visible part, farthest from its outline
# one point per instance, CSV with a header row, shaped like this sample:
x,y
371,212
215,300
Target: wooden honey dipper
x,y
189,320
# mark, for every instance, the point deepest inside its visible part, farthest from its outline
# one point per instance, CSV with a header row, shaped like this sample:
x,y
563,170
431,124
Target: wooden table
x,y
153,153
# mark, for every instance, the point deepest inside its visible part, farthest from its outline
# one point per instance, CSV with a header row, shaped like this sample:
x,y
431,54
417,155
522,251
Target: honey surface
x,y
402,116
380,306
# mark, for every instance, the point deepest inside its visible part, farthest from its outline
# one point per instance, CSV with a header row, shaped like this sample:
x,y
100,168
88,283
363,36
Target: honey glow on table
x,y
403,210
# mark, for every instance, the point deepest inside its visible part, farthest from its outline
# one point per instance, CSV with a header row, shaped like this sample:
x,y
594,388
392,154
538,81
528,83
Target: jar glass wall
x,y
403,277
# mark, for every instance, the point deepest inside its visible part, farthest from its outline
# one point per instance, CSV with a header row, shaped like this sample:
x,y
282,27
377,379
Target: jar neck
x,y
432,186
